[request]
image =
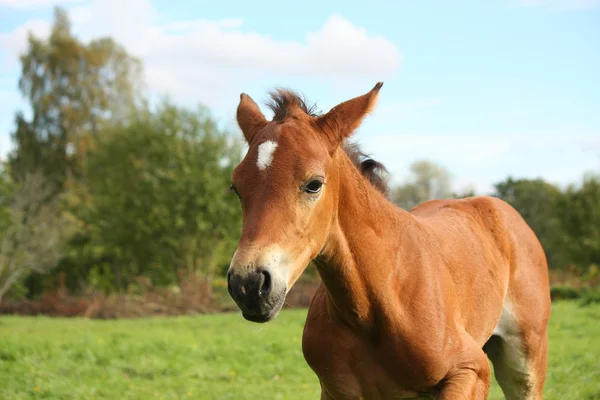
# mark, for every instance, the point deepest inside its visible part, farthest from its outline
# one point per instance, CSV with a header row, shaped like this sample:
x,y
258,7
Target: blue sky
x,y
485,88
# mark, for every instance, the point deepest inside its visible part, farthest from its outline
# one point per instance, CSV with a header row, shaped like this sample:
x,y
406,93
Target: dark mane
x,y
373,170
283,101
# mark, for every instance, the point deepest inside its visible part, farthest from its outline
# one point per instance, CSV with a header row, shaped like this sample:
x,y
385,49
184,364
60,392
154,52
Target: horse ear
x,y
249,117
343,119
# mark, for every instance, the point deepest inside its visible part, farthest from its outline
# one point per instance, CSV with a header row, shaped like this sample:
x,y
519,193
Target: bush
x,y
592,297
585,295
565,293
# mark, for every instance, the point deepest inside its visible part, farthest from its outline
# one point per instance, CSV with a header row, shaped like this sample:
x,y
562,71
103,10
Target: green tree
x,y
73,89
582,221
33,229
426,181
541,204
160,199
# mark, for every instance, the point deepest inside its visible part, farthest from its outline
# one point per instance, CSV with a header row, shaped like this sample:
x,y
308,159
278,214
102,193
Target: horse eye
x,y
313,186
234,190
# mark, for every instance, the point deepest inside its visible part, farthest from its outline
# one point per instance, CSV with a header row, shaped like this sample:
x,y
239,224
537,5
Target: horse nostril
x,y
229,281
265,288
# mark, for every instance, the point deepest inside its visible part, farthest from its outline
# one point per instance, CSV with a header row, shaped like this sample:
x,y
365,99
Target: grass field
x,y
223,357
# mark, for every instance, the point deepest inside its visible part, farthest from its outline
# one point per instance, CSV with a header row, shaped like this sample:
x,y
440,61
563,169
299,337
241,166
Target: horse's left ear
x,y
343,119
249,117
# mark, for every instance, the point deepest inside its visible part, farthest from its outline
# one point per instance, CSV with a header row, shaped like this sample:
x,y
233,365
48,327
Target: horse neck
x,y
359,255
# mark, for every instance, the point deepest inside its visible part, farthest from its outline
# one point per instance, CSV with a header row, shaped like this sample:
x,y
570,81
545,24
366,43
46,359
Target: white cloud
x,y
14,43
556,5
35,3
205,61
592,144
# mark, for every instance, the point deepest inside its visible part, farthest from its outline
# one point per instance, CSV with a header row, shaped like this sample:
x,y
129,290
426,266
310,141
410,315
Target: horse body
x,y
409,301
448,283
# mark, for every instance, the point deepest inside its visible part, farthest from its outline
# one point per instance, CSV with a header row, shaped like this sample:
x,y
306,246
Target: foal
x,y
409,301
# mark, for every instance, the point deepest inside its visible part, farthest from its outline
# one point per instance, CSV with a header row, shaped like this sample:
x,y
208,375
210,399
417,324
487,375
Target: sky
x,y
487,89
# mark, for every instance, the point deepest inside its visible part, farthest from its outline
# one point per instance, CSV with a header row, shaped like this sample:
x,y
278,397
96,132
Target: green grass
x,y
224,357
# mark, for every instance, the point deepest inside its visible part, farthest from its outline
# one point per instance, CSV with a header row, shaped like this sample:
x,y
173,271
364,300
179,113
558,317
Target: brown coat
x,y
409,301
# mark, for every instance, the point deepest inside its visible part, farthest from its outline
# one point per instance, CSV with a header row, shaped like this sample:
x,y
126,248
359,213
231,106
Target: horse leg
x,y
470,379
518,347
519,356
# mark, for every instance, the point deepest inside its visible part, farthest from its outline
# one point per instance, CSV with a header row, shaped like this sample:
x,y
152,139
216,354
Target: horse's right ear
x,y
249,117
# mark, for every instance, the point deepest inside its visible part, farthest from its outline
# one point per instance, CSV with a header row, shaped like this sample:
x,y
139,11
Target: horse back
x,y
485,246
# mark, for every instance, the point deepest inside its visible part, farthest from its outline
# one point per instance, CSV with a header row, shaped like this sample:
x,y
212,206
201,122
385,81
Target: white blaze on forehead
x,y
265,154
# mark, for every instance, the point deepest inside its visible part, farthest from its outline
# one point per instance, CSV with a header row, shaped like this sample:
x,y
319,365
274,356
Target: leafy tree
x,y
160,199
541,205
582,221
426,181
468,191
33,230
73,89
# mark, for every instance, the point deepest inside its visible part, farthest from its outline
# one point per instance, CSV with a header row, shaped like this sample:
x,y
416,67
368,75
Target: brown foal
x,y
410,302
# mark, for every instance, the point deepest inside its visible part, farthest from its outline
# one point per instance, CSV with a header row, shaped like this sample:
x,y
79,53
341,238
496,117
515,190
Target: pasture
x,y
224,357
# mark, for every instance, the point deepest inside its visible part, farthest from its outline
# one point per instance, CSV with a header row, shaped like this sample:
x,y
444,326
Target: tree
x,y
582,221
160,199
73,90
426,181
33,229
541,204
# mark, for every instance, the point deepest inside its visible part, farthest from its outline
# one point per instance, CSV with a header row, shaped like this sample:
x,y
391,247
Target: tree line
x,y
102,188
